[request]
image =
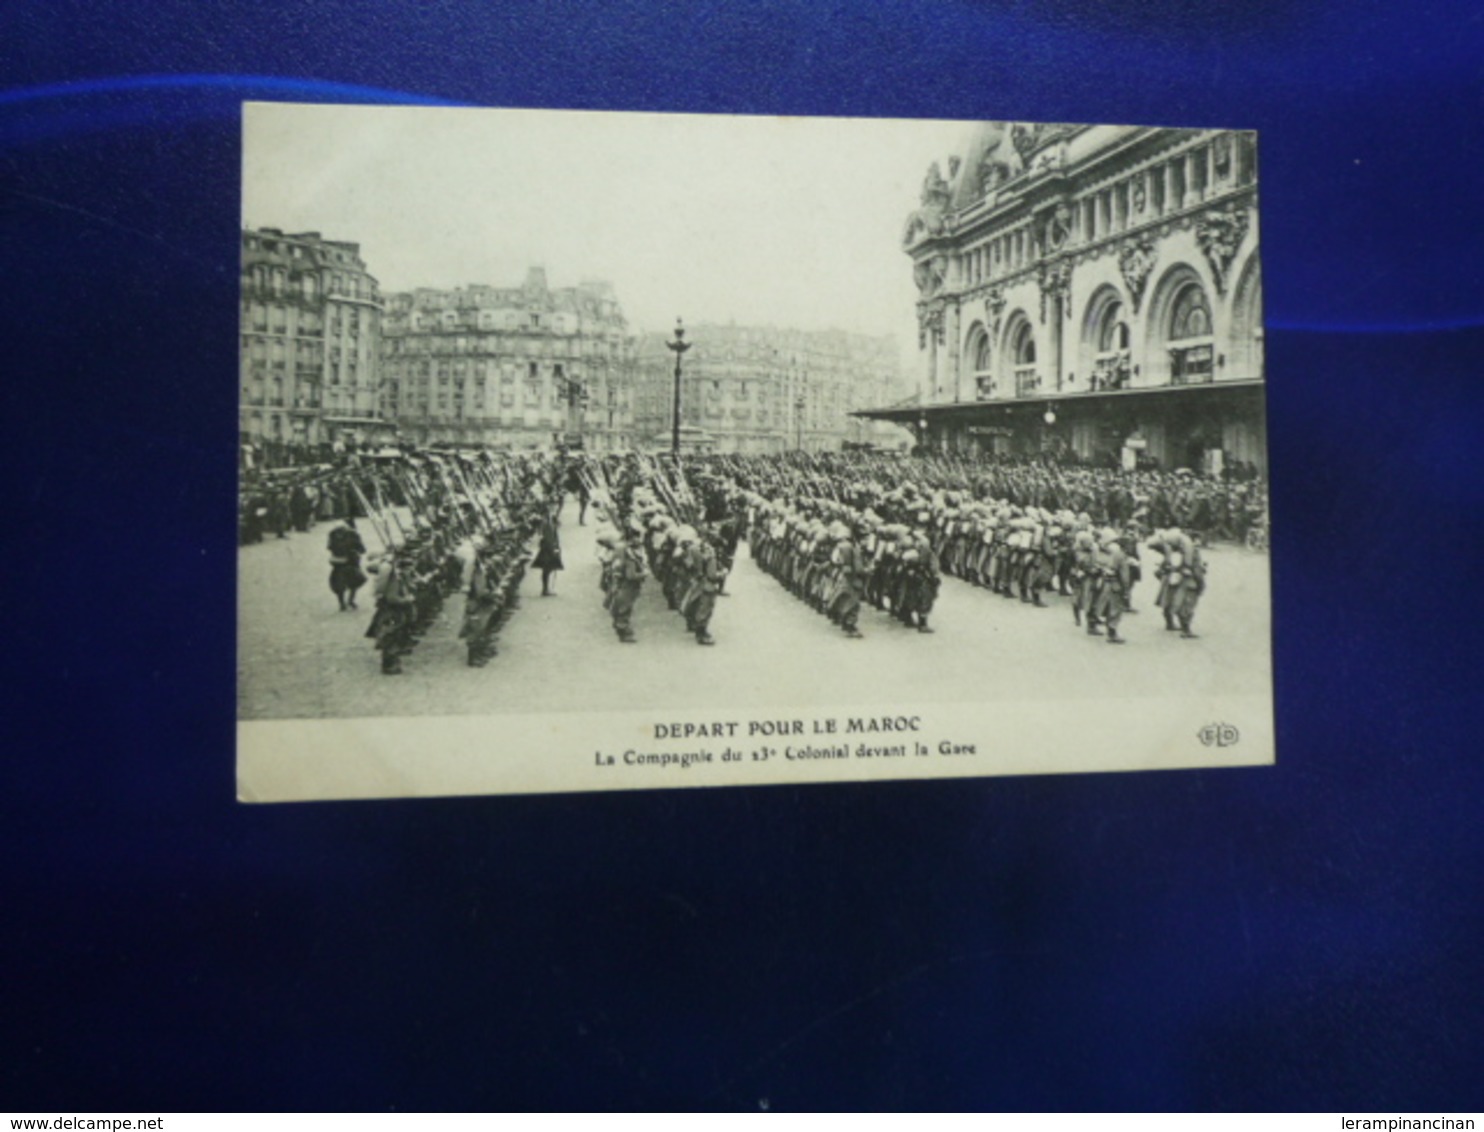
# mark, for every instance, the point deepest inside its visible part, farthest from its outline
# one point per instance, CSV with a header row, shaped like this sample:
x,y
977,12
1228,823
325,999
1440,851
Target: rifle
x,y
378,523
480,508
462,527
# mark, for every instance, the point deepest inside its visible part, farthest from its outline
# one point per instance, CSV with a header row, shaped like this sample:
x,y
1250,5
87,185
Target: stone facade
x,y
763,389
1065,264
513,367
310,340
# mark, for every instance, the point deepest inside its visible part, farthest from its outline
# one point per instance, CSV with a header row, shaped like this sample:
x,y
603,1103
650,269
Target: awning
x,y
1005,406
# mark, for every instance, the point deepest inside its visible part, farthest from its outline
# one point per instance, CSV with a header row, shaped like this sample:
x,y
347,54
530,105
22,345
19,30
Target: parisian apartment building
x,y
518,366
310,341
762,389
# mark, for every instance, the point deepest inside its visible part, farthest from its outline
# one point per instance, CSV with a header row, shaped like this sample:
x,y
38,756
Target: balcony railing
x,y
1112,372
1191,365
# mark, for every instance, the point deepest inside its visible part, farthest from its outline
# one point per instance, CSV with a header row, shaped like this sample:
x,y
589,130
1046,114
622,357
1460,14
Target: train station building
x,y
1093,293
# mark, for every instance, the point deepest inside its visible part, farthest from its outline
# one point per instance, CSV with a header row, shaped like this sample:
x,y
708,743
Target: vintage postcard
x,y
595,451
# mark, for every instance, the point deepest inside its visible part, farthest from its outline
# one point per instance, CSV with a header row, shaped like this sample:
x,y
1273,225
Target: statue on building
x,y
1056,230
1219,234
1024,136
934,187
930,218
1136,262
929,274
995,166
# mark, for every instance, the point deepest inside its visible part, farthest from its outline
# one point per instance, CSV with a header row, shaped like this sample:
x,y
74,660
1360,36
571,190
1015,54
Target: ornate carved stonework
x,y
1140,196
929,274
994,307
929,322
1028,137
1055,278
1056,229
1219,235
1136,261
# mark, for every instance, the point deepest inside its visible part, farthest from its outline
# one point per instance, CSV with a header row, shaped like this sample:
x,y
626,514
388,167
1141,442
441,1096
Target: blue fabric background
x,y
1301,937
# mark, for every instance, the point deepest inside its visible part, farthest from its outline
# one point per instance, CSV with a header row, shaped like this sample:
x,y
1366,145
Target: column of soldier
x,y
827,553
835,530
839,530
472,523
833,557
652,517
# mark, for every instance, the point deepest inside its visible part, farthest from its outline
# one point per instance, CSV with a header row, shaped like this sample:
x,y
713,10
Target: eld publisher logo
x,y
1218,735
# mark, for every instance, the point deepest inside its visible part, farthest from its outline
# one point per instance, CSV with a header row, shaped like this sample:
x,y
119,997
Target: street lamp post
x,y
680,346
574,393
799,404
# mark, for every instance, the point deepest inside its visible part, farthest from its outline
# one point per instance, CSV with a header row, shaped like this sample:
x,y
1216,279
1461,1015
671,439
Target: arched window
x,y
1024,348
979,357
1023,355
1189,337
1114,334
1112,366
1191,317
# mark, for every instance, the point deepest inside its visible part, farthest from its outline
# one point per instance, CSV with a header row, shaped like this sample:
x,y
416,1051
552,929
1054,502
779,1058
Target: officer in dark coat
x,y
549,557
346,576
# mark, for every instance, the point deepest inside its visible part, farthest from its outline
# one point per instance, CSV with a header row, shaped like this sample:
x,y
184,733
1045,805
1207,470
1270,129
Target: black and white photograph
x,y
592,450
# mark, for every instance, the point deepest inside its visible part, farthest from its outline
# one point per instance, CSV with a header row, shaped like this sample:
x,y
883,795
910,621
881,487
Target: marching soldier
x,y
701,579
920,583
482,607
624,579
1182,580
1112,565
391,625
1129,540
1084,578
850,565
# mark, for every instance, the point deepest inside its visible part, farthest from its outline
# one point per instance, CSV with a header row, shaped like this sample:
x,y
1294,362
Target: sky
x,y
789,222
